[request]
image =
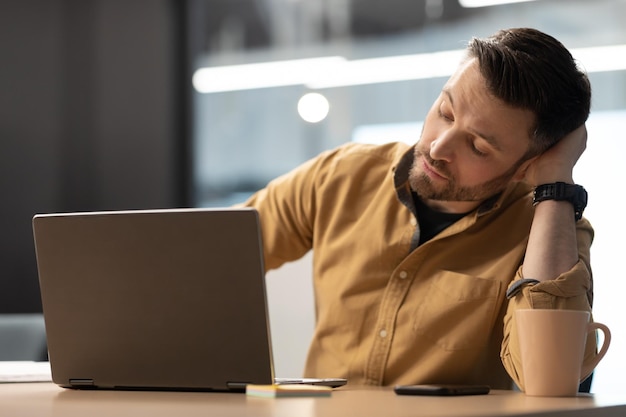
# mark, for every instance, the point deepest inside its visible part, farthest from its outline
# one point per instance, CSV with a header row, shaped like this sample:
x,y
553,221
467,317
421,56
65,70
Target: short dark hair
x,y
531,70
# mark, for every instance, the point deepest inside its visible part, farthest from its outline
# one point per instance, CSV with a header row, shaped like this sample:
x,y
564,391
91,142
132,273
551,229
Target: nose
x,y
443,147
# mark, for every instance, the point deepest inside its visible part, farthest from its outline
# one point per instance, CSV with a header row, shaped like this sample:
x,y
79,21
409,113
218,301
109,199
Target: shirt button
x,y
403,275
383,333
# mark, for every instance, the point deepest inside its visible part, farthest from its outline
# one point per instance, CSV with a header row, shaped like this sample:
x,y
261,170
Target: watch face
x,y
578,198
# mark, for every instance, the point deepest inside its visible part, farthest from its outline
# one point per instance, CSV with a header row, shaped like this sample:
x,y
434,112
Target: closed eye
x,y
443,115
474,149
478,151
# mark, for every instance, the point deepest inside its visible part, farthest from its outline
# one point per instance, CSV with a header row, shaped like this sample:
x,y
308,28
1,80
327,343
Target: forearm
x,y
552,244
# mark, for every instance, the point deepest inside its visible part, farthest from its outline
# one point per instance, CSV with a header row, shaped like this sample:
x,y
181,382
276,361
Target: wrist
x,y
553,177
550,172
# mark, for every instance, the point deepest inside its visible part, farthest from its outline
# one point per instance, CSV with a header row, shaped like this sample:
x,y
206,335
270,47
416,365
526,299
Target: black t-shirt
x,y
431,221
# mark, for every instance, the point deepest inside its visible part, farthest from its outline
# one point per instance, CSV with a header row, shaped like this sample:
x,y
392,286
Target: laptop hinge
x,y
81,382
237,386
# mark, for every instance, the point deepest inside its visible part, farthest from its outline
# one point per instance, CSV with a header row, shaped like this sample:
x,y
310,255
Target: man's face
x,y
472,144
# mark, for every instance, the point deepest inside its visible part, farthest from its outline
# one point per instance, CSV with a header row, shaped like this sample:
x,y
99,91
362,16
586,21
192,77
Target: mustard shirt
x,y
389,314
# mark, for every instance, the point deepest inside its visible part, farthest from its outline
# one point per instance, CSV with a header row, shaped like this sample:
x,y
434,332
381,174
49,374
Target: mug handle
x,y
593,326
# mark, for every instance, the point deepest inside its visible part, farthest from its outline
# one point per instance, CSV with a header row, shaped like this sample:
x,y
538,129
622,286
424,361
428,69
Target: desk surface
x,y
46,399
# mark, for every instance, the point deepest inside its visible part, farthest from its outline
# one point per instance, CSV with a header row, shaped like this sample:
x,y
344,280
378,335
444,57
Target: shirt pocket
x,y
458,311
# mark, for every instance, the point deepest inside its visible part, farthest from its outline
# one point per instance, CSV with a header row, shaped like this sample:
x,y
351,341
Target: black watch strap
x,y
518,285
561,191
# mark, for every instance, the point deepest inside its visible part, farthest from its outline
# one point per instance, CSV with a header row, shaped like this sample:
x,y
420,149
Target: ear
x,y
520,174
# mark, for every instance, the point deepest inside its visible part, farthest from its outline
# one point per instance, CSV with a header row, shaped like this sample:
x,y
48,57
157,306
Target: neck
x,y
455,207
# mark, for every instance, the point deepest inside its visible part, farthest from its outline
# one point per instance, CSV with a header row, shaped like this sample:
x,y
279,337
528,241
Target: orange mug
x,y
552,346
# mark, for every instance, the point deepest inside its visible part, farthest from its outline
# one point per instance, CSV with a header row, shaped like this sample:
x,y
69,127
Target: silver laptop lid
x,y
154,299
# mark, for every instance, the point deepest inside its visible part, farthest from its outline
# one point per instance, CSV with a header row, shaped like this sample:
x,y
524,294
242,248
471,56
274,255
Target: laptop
x,y
156,299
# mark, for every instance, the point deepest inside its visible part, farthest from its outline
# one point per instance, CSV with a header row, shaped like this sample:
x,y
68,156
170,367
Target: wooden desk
x,y
46,399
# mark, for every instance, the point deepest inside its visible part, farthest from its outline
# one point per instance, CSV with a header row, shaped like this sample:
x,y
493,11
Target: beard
x,y
422,184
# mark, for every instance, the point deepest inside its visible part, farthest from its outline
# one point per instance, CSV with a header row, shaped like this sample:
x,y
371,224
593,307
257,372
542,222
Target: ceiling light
x,y
485,3
313,107
262,75
336,71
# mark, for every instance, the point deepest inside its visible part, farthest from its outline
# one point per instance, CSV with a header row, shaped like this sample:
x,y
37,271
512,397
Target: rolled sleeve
x,y
571,290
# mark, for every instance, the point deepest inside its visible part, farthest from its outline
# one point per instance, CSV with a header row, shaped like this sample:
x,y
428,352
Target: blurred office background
x,y
116,104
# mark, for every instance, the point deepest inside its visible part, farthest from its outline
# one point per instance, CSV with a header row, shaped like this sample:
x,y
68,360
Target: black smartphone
x,y
442,390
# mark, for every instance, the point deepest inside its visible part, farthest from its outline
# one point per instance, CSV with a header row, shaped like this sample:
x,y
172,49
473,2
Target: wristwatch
x,y
561,191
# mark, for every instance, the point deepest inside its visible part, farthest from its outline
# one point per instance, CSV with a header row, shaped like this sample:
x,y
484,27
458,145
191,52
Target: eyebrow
x,y
489,138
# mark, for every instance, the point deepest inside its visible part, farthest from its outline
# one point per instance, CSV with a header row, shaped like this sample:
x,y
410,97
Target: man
x,y
422,254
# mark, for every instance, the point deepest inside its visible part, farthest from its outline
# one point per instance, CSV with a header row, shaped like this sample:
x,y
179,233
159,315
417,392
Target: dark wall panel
x,y
88,119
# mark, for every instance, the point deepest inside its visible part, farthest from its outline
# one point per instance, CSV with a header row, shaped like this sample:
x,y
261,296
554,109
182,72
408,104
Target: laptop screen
x,y
166,299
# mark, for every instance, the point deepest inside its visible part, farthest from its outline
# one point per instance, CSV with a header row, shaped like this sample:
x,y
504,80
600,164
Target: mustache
x,y
439,165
